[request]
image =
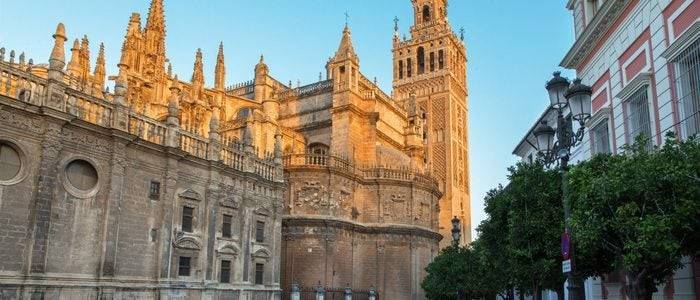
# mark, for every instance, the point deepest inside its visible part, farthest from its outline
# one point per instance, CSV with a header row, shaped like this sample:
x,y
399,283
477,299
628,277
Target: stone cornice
x,y
368,228
594,33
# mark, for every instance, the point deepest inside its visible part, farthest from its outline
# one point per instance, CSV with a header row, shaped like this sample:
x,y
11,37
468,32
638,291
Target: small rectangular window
x,y
225,271
187,216
601,138
226,226
260,231
259,272
432,61
154,191
184,266
441,59
400,69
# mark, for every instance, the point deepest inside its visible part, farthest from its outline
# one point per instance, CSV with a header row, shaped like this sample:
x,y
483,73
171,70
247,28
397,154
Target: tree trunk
x,y
560,293
511,294
640,288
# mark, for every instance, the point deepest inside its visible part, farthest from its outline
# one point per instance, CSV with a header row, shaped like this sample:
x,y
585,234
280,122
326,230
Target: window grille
x,y
260,231
184,266
638,121
226,226
154,190
688,86
187,216
601,138
259,272
225,271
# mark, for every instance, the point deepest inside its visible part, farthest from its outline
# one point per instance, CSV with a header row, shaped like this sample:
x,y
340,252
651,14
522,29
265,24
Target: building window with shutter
x,y
259,273
226,226
259,231
184,266
638,120
601,138
187,217
688,86
225,271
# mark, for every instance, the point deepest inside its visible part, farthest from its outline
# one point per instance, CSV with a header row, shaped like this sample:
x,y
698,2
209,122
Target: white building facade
x,y
642,59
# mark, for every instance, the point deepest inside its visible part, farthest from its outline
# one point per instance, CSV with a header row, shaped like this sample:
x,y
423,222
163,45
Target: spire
x,y
100,68
57,60
154,33
198,73
74,63
85,57
261,68
156,17
346,49
220,69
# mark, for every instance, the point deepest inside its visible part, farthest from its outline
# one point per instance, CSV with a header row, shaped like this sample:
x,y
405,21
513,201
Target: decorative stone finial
x,y
174,102
21,59
12,56
57,60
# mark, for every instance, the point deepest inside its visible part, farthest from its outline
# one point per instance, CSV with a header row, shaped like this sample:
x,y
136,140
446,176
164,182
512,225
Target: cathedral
x,y
171,188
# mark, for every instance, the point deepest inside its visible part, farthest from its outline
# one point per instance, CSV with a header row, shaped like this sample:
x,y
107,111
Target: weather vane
x,y
347,17
396,23
461,33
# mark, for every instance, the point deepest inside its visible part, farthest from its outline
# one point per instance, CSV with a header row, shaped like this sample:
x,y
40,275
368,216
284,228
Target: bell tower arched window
x,y
426,14
421,60
400,69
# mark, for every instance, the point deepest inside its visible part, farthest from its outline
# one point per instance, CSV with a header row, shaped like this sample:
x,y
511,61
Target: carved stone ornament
x,y
314,195
186,242
228,249
231,202
190,195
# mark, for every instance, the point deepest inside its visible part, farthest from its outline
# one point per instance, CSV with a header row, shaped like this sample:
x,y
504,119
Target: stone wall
x,y
63,238
345,225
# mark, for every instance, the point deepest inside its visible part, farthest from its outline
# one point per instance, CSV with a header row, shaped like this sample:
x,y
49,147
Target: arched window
x,y
441,59
432,61
421,60
426,14
400,69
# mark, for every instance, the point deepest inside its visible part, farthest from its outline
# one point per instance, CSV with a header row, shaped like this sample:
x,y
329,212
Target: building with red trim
x,y
642,58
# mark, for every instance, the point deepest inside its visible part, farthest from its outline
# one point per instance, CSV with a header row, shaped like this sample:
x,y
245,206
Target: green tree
x,y
535,225
493,243
638,212
453,269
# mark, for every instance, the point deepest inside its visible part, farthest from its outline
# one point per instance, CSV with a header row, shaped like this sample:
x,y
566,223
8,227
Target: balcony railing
x,y
20,83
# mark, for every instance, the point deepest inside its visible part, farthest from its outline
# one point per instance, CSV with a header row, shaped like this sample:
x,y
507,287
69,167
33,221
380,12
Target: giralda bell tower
x,y
432,66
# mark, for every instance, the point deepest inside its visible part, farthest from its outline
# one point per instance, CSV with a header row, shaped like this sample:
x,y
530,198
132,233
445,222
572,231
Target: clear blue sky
x,y
513,46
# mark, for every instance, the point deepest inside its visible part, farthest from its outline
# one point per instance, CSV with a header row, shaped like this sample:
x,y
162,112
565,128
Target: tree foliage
x,y
638,211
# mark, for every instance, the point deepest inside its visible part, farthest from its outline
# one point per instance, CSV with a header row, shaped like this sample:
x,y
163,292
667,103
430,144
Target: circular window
x,y
81,175
10,163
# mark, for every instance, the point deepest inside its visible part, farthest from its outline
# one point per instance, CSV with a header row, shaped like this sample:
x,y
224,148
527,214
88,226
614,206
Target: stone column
x,y
51,147
112,210
168,209
213,195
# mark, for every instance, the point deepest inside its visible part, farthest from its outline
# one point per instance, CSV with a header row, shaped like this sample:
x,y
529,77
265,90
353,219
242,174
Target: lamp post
x,y
574,99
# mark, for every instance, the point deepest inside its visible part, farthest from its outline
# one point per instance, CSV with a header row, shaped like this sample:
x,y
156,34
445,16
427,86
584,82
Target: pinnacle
x,y
60,31
345,49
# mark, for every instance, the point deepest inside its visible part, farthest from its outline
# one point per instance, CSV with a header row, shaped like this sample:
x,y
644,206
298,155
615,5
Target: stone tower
x,y
431,65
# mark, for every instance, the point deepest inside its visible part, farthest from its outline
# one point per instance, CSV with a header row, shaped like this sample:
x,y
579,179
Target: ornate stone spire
x,y
74,62
154,33
198,72
346,49
84,58
261,68
220,70
57,60
99,73
130,45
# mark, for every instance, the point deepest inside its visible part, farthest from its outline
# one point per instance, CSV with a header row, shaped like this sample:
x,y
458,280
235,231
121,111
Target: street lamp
x,y
456,232
577,98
